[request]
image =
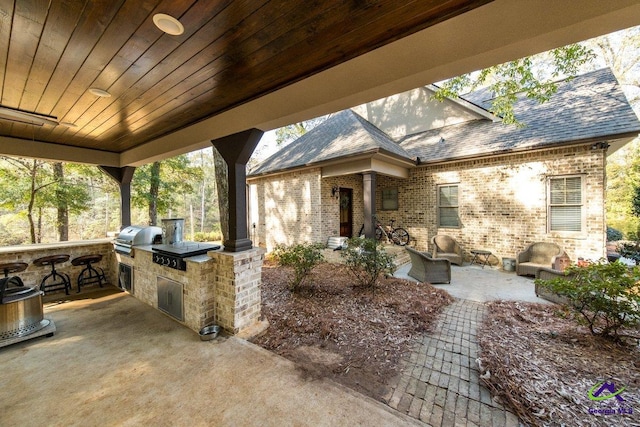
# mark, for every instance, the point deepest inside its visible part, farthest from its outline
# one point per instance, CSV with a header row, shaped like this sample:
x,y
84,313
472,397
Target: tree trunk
x,y
32,200
202,193
153,193
39,235
61,203
222,186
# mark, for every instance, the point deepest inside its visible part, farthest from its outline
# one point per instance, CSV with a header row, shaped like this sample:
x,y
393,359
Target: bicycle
x,y
398,236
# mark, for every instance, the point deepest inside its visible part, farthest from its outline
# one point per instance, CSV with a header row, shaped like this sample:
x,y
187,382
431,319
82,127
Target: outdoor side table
x,y
480,256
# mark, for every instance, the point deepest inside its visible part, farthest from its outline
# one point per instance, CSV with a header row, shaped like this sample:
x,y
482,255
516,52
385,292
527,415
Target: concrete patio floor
x,y
474,283
115,361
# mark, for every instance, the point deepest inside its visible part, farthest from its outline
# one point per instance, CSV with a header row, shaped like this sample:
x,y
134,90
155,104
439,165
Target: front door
x,y
346,212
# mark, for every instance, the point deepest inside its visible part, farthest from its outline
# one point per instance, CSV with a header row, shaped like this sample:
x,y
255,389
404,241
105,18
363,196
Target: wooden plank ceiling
x,y
232,51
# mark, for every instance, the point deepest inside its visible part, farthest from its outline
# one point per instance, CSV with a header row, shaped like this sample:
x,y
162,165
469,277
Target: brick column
x,y
238,276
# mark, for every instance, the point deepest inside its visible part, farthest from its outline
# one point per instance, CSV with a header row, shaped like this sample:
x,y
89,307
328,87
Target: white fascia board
x,y
371,164
47,151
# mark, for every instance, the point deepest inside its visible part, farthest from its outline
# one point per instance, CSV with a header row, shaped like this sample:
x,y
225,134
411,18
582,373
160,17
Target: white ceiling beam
x,y
46,151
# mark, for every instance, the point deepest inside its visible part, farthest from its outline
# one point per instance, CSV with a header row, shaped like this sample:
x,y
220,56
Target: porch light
x,y
335,191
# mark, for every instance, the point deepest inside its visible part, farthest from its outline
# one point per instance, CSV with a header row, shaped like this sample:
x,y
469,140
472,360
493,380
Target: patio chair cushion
x,y
536,256
446,247
427,269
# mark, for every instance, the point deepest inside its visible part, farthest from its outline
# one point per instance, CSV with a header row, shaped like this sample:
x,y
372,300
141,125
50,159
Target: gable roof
x,y
341,135
590,107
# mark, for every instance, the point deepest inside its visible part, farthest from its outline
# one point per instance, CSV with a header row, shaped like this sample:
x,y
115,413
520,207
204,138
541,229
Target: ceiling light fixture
x,y
168,24
99,92
27,117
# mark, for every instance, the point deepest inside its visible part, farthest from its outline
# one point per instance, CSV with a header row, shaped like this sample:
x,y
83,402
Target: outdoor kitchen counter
x,y
221,288
56,246
34,274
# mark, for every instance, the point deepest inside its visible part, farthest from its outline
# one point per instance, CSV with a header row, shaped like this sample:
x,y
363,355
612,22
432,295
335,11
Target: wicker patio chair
x,y
446,247
536,256
427,269
543,292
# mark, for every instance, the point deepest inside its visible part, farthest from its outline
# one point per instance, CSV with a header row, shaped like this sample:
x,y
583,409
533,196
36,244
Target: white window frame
x,y
581,204
457,206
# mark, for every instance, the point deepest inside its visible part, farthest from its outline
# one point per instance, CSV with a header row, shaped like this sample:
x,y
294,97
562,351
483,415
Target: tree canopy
x,y
534,76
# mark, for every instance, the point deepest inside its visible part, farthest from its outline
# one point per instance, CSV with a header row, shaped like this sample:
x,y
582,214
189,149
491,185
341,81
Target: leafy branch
x,y
525,76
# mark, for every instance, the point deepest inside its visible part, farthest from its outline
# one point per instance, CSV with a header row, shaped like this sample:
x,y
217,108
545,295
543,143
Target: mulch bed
x,y
542,364
336,329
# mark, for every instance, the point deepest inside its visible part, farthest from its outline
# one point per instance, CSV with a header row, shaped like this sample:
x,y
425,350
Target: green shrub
x,y
613,235
605,295
212,236
367,260
302,257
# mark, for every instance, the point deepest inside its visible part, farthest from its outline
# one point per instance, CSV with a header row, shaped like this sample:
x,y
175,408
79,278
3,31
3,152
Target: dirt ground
x,y
543,364
334,329
536,358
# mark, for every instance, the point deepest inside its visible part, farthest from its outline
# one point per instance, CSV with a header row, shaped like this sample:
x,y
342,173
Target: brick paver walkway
x,y
439,383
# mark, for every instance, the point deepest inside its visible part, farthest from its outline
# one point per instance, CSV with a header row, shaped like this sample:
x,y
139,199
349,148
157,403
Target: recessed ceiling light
x,y
99,92
168,24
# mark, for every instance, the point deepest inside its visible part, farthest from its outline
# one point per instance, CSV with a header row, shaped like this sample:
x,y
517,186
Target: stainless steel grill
x,y
136,235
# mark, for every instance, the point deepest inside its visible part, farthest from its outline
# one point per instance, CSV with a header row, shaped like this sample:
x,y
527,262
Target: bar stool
x,y
64,282
13,267
89,274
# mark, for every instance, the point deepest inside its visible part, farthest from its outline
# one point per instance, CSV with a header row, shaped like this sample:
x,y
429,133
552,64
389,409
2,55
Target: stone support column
x,y
237,293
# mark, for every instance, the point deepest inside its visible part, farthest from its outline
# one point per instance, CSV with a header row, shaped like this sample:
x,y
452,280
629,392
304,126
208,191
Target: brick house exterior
x,y
506,180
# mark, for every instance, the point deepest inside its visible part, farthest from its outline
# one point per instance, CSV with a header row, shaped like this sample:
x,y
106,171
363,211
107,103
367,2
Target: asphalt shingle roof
x,y
341,135
589,107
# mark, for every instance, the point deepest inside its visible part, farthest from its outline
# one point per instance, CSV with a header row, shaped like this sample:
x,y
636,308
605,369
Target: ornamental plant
x,y
605,295
302,258
367,260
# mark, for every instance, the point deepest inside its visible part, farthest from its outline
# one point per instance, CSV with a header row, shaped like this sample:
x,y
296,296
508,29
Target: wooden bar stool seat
x,y
13,267
54,280
89,274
